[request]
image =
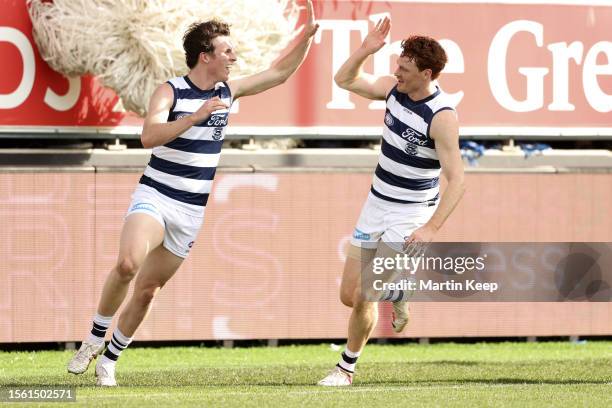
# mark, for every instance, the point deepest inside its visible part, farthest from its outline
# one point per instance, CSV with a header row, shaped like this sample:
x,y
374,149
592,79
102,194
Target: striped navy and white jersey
x,y
408,168
184,168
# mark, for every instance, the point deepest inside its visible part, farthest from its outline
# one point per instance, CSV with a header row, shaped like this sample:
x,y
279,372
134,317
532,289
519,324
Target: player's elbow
x,y
146,139
342,81
455,178
458,183
462,188
281,80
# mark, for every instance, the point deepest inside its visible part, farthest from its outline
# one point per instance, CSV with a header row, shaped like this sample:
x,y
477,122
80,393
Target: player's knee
x,y
360,303
346,297
365,309
145,295
127,267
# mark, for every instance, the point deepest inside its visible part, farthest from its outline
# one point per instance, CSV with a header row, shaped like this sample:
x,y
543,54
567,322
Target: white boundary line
x,y
319,390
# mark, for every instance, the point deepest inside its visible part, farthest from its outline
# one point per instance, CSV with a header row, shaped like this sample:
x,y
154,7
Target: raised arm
x,y
445,132
281,69
157,131
351,77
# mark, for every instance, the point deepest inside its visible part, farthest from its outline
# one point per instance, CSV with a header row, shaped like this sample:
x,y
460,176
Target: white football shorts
x,y
181,227
389,222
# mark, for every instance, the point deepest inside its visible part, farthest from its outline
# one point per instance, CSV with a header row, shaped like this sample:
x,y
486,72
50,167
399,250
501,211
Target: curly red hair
x,y
426,52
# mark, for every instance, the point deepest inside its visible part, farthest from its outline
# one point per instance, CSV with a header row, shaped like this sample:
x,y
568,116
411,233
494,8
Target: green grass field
x,y
466,375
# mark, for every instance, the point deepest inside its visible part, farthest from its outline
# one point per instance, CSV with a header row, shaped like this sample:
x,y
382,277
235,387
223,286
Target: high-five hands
x,y
310,27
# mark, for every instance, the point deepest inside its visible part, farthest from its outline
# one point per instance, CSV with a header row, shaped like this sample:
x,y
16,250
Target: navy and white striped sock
x,y
348,360
118,343
393,295
98,328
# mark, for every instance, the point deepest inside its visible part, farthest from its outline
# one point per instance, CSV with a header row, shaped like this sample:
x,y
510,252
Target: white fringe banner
x,y
132,46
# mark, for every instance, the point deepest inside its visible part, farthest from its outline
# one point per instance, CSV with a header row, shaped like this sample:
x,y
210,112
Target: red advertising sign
x,y
268,261
514,68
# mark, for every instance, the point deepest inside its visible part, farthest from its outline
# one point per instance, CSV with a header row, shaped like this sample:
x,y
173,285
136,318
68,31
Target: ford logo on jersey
x,y
217,120
413,136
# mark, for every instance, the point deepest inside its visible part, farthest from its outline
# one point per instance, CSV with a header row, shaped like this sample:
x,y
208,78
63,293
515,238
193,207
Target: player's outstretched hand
x,y
375,39
310,27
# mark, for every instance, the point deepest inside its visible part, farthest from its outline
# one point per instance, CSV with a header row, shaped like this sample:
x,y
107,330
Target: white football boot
x,y
337,378
105,375
401,315
81,359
